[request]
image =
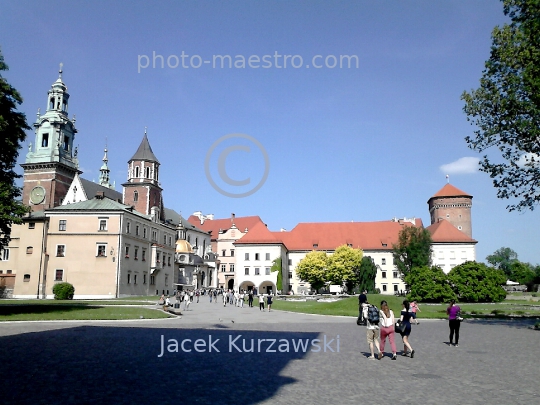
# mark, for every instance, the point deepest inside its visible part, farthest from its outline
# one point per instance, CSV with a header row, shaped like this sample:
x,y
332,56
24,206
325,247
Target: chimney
x,y
232,217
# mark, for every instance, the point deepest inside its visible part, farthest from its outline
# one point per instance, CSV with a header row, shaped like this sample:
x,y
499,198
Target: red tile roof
x,y
214,225
450,191
330,235
444,232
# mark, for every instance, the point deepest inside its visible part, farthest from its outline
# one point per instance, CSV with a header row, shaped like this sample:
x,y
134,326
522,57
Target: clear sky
x,y
365,143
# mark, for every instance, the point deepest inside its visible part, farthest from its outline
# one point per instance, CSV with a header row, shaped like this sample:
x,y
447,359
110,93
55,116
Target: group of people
x,y
237,298
382,324
231,297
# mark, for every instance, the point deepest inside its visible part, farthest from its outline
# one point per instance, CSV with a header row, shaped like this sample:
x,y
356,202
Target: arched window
x,y
147,172
51,103
137,171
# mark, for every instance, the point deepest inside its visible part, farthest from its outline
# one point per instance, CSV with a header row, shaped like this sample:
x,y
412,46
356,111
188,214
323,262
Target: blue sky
x,y
365,143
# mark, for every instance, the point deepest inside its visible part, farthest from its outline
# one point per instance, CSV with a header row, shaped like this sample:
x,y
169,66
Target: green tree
x,y
312,268
367,274
429,284
276,266
476,282
343,266
413,249
503,259
505,109
522,273
12,127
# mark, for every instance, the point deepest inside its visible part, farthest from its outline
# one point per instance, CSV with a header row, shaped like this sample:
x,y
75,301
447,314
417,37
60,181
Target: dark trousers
x,y
454,328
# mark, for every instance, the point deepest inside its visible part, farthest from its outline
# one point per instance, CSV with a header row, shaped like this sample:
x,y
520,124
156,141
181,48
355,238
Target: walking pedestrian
x,y
453,312
269,302
372,333
406,319
261,302
362,303
414,309
242,299
387,329
250,298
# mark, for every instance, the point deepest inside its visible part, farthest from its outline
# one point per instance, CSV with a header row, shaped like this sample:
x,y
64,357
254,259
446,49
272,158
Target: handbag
x,y
399,327
459,318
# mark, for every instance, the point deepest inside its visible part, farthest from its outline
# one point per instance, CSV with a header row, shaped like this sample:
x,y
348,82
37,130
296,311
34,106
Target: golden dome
x,y
183,246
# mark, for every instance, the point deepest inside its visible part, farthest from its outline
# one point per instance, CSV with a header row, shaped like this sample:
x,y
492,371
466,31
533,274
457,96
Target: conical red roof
x,y
450,191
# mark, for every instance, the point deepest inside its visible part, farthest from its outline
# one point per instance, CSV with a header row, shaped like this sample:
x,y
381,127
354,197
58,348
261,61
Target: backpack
x,y
373,315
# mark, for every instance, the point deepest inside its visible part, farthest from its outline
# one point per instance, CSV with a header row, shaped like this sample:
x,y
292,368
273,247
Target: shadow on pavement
x,y
520,323
98,365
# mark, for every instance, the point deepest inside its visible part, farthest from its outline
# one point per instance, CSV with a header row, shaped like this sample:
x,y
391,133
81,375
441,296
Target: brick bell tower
x,y
142,189
453,205
51,162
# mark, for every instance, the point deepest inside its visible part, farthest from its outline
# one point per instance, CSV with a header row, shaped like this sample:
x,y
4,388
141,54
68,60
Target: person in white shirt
x,y
386,324
241,299
372,334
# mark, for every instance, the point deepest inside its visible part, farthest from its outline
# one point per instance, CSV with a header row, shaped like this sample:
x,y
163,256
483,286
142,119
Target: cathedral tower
x,y
142,189
51,162
453,205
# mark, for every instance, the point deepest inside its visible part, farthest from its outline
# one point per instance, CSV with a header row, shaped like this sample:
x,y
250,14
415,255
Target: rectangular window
x,y
267,271
166,280
223,268
144,279
126,253
164,239
232,252
395,288
154,235
290,262
143,258
31,225
383,274
463,255
62,225
26,278
128,227
102,224
169,261
158,257
384,287
170,240
223,253
247,256
231,268
246,271
137,228
101,250
256,256
59,275
290,275
144,233
268,256
45,141
136,253
383,261
60,250
129,278
152,280
452,255
395,274
134,279
257,271
5,254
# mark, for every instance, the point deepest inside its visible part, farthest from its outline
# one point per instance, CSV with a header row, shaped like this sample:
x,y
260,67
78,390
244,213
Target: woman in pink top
x,y
414,309
386,326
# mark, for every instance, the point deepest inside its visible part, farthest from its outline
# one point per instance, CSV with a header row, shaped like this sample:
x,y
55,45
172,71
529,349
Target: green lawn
x,y
52,310
349,307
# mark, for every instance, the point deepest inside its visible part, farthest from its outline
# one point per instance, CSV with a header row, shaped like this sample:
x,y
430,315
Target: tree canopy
x,y
503,259
429,284
12,127
312,268
413,249
476,282
343,267
367,274
506,107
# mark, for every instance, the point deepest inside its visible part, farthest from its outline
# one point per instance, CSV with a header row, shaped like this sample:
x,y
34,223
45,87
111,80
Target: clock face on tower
x,y
37,195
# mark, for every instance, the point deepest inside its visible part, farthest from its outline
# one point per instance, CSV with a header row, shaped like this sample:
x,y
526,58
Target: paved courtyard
x,y
124,362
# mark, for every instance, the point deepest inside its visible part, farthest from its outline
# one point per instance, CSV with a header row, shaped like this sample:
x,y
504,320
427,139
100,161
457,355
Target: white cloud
x,y
529,160
463,165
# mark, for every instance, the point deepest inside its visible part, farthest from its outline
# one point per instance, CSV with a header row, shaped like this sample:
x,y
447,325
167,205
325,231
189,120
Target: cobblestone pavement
x,y
118,362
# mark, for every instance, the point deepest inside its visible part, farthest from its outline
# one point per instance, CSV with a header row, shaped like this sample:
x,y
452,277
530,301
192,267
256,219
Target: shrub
x,y
476,282
63,291
497,312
